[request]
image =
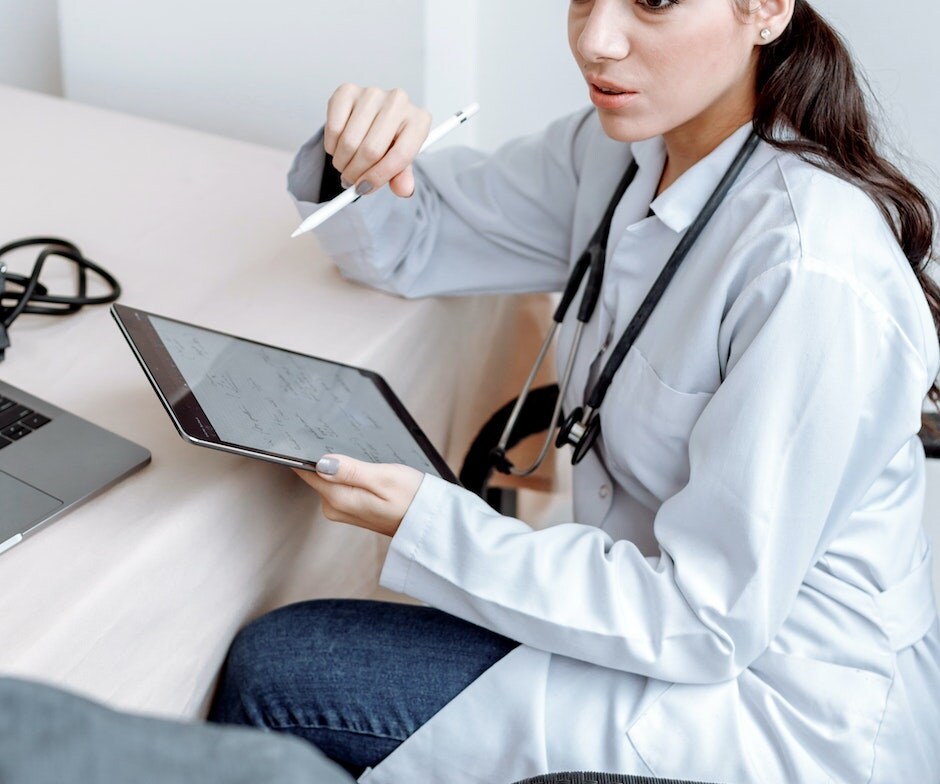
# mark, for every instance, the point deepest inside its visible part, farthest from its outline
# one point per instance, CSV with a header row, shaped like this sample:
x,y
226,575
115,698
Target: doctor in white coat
x,y
744,594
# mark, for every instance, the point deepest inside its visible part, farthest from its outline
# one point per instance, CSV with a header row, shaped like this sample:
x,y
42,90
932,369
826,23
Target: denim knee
x,y
251,669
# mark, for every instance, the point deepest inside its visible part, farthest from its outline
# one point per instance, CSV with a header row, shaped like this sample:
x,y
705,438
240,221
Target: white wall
x,y
259,70
898,51
29,45
451,80
527,76
262,71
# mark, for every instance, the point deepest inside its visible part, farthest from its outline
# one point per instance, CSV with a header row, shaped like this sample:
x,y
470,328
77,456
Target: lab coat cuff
x,y
306,173
406,543
346,237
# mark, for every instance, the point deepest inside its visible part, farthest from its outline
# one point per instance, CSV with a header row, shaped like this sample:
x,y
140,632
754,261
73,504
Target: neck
x,y
687,144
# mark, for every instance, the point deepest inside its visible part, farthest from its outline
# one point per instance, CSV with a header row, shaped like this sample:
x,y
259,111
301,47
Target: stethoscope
x,y
582,427
34,297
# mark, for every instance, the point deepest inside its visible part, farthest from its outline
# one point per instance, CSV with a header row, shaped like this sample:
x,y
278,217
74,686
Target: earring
x,y
765,34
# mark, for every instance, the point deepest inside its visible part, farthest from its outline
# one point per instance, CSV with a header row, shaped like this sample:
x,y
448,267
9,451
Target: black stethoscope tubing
x,y
582,426
34,292
35,298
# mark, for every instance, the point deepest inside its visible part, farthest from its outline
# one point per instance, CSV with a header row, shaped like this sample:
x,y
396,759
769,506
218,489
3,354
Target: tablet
x,y
253,399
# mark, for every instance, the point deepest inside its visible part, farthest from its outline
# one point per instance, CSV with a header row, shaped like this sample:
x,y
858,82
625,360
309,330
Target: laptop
x,y
51,461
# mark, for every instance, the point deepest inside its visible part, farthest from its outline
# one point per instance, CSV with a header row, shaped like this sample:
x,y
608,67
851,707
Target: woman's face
x,y
654,66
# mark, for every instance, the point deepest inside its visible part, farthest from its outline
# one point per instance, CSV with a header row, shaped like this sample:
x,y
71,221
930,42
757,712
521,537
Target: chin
x,y
628,129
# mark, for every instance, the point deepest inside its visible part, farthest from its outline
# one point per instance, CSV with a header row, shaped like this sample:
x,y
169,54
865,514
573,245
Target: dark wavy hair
x,y
806,82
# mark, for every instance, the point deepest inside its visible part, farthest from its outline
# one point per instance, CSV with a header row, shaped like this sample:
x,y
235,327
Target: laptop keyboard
x,y
17,421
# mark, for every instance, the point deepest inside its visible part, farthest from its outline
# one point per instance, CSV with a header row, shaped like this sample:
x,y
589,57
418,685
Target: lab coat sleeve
x,y
476,223
821,390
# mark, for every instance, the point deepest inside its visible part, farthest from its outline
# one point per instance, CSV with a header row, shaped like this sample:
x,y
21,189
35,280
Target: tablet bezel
x,y
192,422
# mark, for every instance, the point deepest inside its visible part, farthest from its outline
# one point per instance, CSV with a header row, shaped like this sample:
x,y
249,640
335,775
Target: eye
x,y
657,5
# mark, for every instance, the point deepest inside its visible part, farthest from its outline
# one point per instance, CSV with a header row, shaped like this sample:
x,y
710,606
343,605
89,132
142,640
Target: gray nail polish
x,y
344,182
363,188
328,466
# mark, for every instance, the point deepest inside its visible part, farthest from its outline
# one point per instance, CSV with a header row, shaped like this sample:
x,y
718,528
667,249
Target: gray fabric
x,y
48,736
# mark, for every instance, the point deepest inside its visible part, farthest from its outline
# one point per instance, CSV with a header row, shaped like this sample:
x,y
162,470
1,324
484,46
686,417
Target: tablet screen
x,y
232,391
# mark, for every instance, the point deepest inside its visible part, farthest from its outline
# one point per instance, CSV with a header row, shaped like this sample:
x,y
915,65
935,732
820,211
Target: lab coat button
x,y
604,491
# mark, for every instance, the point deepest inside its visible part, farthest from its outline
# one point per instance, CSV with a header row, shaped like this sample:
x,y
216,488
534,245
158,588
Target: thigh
x,y
355,678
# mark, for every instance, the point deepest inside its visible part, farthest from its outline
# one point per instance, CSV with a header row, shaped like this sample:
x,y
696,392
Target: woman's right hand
x,y
373,136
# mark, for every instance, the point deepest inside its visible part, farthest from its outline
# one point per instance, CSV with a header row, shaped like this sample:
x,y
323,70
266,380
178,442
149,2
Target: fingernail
x,y
344,182
328,466
363,188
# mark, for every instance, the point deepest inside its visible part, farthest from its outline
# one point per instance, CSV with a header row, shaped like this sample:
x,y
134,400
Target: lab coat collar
x,y
682,201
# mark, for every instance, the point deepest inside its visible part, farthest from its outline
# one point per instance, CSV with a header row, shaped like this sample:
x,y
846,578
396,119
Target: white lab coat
x,y
745,595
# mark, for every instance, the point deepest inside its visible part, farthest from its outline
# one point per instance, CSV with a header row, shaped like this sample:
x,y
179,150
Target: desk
x,y
134,597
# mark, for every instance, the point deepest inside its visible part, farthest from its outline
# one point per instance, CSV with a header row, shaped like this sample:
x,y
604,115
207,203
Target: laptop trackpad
x,y
21,505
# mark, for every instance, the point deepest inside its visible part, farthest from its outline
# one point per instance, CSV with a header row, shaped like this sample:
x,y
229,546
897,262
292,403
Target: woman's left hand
x,y
370,495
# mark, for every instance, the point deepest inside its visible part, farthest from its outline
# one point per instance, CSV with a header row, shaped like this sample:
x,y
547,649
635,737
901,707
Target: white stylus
x,y
349,195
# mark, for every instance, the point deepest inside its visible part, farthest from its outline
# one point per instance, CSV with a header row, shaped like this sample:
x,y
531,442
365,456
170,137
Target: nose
x,y
604,34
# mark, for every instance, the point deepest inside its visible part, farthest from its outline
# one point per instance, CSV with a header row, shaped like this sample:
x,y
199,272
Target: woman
x,y
745,595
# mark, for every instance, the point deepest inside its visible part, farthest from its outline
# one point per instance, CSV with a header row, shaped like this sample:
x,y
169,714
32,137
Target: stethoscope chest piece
x,y
580,430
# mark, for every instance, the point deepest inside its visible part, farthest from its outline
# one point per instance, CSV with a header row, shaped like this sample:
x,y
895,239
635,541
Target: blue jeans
x,y
354,678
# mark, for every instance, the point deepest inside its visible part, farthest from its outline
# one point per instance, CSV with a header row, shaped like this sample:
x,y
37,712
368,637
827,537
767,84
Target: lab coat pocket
x,y
647,425
786,718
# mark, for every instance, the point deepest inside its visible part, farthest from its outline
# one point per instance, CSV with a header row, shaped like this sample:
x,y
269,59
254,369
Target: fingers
x,y
371,495
384,481
338,109
342,470
378,169
403,184
355,506
364,112
374,136
341,502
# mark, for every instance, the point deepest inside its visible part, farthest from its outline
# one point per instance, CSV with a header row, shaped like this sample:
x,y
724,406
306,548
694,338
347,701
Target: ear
x,y
772,15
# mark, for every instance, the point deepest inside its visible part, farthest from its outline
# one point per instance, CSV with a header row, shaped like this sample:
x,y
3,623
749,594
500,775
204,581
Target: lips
x,y
606,94
607,87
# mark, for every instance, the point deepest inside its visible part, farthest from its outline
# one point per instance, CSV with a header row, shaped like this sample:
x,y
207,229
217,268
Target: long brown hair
x,y
806,82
